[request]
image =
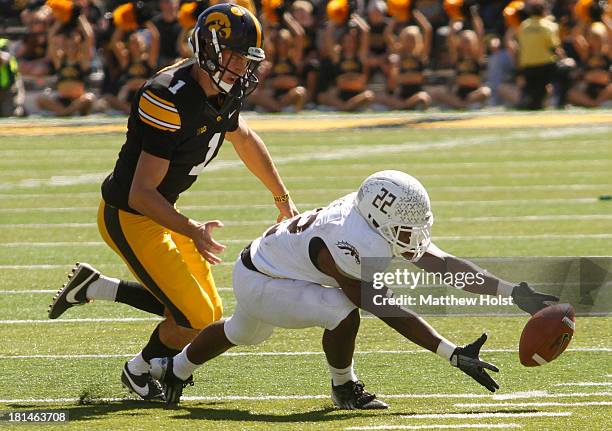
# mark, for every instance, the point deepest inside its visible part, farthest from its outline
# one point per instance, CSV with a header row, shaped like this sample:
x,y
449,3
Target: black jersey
x,y
348,65
467,66
71,71
411,63
171,118
378,44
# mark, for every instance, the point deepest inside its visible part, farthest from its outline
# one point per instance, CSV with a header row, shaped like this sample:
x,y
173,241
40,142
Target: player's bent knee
x,y
176,340
202,313
243,333
175,336
200,322
338,307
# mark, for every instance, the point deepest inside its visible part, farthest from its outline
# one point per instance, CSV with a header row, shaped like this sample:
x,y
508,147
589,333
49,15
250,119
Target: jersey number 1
x,y
212,147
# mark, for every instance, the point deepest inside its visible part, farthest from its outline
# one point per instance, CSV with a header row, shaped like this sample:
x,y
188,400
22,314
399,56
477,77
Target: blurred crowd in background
x,y
75,57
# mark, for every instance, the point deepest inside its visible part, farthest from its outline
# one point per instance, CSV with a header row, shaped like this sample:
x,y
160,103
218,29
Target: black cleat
x,y
161,369
352,396
143,385
73,292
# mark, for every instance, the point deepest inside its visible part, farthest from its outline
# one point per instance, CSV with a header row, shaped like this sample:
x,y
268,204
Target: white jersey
x,y
284,251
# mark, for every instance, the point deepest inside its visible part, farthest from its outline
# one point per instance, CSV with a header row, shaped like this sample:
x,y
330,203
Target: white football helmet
x,y
394,202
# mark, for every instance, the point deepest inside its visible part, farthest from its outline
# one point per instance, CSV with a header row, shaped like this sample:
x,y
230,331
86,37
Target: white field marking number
x,y
212,147
176,87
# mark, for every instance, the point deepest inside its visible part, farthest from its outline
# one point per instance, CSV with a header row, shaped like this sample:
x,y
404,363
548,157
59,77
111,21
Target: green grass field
x,y
495,192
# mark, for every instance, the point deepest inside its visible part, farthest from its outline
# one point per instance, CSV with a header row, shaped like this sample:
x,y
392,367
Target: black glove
x,y
467,359
529,300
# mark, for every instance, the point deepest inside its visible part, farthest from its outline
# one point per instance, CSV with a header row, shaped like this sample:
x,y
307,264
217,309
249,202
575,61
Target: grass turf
x,y
483,183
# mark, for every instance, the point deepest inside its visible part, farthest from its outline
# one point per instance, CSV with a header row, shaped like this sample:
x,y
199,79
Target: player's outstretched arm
x,y
484,283
409,324
253,152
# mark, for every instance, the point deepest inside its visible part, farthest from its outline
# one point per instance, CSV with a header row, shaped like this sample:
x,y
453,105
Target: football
x,y
547,335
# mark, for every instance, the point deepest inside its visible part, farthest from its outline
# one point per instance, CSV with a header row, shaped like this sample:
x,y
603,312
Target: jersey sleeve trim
x,y
158,112
159,101
157,126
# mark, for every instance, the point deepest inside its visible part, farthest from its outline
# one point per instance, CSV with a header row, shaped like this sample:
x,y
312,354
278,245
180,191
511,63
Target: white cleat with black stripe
x,y
74,291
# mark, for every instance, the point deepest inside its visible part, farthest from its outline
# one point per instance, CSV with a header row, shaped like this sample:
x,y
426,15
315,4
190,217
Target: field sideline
x,y
501,185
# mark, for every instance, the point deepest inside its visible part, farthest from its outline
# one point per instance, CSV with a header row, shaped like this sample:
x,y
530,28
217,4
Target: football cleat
x,y
143,385
161,369
74,291
352,396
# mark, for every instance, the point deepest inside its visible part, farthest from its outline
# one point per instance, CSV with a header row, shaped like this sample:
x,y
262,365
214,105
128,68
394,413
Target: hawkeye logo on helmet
x,y
220,23
237,11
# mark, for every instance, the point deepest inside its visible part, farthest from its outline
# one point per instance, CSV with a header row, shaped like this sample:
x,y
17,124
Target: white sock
x,y
104,288
182,367
137,365
445,349
342,375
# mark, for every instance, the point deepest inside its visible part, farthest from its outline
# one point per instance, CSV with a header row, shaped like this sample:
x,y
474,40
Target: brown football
x,y
547,335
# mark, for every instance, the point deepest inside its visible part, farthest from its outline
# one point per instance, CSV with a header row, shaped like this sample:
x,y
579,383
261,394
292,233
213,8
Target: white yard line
x,y
431,189
480,426
27,292
439,427
85,320
219,398
224,179
46,225
444,175
540,404
462,202
229,289
585,384
183,207
277,397
545,394
234,398
87,243
70,265
361,151
556,217
485,415
521,237
46,291
317,353
247,240
264,222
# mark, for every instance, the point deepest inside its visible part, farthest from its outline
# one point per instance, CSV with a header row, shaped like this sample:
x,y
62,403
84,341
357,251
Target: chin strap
x,y
222,84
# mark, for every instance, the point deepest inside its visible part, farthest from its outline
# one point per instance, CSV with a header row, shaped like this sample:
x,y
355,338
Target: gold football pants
x,y
166,263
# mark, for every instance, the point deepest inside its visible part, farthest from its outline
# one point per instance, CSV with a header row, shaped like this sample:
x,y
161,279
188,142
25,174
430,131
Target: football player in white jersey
x,y
307,271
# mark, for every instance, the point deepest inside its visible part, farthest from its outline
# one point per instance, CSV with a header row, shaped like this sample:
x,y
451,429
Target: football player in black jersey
x,y
177,123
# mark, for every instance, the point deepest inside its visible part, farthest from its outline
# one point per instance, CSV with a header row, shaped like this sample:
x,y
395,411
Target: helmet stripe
x,y
257,27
